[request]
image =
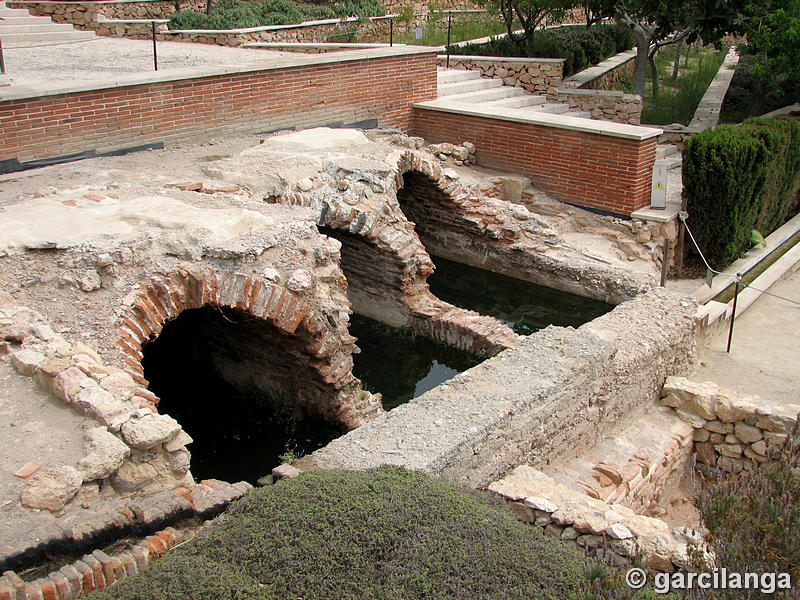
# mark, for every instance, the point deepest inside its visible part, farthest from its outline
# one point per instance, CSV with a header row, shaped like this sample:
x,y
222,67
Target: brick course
x,y
596,171
301,96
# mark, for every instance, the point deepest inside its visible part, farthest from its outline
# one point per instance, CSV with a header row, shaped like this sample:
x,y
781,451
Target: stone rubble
x,y
612,531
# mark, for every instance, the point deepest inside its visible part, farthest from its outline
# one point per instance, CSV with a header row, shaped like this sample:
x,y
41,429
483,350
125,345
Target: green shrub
x,y
579,46
723,178
384,533
738,178
753,519
233,14
782,140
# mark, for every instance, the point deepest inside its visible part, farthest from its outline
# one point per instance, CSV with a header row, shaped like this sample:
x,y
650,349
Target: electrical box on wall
x,y
658,190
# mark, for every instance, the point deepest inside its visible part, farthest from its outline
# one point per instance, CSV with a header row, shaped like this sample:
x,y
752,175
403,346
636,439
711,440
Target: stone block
x,y
747,433
131,477
27,361
106,454
149,430
51,488
100,404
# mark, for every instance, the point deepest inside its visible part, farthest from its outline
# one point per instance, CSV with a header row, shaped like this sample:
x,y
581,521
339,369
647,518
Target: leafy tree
x,y
655,23
773,40
531,15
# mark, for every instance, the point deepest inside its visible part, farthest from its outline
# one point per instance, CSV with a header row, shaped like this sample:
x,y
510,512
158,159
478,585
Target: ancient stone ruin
x,y
126,285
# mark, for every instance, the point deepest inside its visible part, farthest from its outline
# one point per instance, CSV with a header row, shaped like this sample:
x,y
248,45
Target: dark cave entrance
x,y
232,380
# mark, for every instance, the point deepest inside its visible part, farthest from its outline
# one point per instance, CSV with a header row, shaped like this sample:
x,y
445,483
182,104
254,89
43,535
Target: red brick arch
x,y
166,296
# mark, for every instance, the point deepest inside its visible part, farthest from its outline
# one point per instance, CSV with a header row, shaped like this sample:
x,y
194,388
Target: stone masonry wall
x,y
732,431
536,75
597,171
47,126
593,90
553,392
372,29
84,15
605,105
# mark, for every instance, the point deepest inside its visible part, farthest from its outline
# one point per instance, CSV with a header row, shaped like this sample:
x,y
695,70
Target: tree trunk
x,y
640,68
654,74
677,62
209,6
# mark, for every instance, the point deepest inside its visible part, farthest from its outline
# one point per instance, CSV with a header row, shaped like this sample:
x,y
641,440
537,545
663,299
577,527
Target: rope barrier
x,y
683,215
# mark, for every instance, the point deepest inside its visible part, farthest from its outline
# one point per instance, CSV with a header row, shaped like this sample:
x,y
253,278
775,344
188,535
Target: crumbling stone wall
x,y
590,523
555,391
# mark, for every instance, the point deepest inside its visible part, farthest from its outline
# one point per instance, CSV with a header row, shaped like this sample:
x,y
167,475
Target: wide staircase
x,y
469,87
18,28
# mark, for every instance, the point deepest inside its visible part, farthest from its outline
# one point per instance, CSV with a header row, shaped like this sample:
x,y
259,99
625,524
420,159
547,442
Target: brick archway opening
x,y
440,210
234,382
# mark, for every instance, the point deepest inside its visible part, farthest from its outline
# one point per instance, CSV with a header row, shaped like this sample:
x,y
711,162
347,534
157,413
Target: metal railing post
x,y
2,62
391,32
733,314
449,22
155,50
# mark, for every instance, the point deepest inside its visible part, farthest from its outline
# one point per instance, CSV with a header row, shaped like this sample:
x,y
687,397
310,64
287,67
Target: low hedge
x,y
579,46
384,533
234,14
737,179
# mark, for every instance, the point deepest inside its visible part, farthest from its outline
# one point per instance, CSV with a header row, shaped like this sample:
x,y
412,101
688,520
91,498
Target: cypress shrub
x,y
782,138
723,177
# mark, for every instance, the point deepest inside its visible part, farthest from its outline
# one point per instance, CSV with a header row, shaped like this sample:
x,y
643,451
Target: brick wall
x,y
302,96
596,171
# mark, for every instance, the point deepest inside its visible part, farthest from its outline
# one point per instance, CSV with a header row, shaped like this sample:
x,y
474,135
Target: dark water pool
x,y
524,306
399,365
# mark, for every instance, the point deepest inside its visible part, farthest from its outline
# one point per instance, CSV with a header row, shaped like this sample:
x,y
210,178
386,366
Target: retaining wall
x,y
732,432
607,167
162,108
588,90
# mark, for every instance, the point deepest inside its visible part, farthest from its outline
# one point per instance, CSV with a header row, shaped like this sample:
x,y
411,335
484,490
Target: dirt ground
x,y
34,427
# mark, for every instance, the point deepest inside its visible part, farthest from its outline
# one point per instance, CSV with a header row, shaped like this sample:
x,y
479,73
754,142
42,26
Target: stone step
x,y
665,150
15,39
581,114
553,108
6,30
472,85
455,75
24,20
628,465
486,96
12,12
519,101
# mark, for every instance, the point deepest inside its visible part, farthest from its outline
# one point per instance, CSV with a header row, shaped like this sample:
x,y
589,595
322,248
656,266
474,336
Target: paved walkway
x,y
108,61
765,353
